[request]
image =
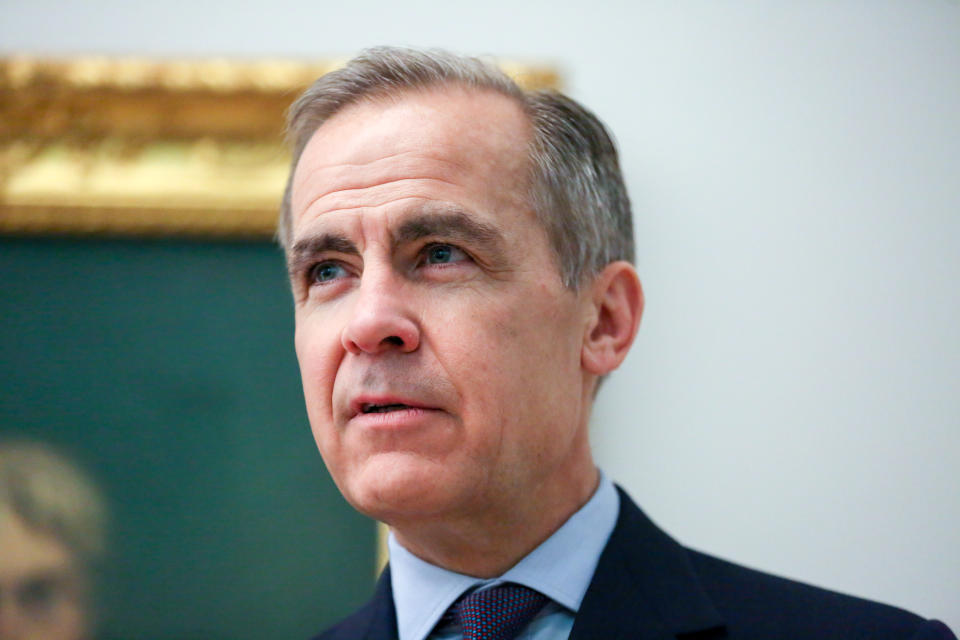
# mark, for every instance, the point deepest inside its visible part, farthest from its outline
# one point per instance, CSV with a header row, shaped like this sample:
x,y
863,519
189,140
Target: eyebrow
x,y
447,223
450,224
304,251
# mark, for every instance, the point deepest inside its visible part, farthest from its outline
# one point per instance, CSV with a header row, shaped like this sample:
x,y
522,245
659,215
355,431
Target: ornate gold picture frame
x,y
151,147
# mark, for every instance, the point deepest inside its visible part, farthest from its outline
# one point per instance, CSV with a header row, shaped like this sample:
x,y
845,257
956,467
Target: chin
x,y
394,487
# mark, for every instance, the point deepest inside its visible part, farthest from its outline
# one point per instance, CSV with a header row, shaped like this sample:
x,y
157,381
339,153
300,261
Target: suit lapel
x,y
644,586
383,616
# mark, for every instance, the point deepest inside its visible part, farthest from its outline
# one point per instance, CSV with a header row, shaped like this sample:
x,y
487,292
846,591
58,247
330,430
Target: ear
x,y
617,307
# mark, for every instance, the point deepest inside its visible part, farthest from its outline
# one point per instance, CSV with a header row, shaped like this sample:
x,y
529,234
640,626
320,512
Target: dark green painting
x,y
166,368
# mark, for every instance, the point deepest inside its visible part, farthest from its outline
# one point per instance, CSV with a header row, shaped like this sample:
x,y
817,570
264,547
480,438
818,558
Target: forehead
x,y
465,146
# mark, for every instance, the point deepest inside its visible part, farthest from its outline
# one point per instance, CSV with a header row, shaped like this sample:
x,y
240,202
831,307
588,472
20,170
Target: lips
x,y
366,405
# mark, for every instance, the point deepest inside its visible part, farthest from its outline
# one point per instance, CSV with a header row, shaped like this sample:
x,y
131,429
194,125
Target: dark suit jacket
x,y
648,587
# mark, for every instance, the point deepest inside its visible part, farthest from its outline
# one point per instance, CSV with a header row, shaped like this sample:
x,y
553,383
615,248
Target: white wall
x,y
792,402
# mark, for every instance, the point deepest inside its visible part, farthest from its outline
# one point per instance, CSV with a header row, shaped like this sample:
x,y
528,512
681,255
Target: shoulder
x,y
683,590
757,604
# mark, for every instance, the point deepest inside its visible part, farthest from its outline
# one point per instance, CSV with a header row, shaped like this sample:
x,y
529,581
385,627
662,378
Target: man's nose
x,y
382,318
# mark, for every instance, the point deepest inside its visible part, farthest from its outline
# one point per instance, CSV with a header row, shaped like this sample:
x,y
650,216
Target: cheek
x,y
318,356
316,345
535,349
537,335
507,355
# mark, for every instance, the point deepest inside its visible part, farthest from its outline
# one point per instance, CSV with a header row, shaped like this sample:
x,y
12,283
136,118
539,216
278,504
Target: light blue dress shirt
x,y
560,568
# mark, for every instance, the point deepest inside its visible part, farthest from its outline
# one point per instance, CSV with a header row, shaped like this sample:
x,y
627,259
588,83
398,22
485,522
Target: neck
x,y
489,543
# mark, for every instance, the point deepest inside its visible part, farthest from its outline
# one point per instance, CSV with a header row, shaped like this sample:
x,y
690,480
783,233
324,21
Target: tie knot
x,y
498,613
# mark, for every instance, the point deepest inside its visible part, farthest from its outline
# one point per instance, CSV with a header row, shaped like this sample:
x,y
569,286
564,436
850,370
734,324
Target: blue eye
x,y
326,271
443,254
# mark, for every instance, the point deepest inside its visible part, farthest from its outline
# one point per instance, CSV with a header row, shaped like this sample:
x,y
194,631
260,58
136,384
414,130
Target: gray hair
x,y
52,495
576,187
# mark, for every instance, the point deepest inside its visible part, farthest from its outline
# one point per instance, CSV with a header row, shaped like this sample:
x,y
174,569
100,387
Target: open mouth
x,y
383,408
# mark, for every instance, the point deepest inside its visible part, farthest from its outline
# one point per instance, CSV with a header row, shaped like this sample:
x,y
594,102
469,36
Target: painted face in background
x,y
439,349
42,594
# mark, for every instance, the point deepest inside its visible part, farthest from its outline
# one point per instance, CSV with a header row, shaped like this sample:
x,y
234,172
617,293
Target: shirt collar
x,y
560,568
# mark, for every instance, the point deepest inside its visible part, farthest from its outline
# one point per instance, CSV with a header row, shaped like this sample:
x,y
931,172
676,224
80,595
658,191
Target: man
x,y
460,256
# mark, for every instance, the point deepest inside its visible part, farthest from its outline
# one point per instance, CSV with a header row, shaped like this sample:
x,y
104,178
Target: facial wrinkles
x,y
380,195
407,376
345,184
357,180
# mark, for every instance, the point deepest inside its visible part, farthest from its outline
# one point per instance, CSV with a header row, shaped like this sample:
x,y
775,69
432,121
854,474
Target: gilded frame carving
x,y
126,146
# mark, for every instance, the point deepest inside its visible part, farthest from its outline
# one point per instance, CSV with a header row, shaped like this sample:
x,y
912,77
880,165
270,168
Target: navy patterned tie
x,y
498,613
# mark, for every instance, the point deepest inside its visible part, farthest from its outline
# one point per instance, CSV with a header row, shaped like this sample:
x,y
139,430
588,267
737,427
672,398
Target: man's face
x,y
41,591
440,351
